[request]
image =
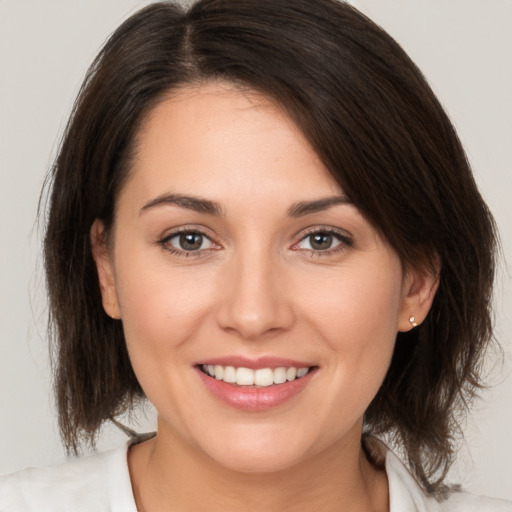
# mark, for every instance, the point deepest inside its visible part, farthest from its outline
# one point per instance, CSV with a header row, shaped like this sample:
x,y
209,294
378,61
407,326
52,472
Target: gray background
x,y
464,47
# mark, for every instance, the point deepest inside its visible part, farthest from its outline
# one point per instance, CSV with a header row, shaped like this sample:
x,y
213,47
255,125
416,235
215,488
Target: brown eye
x,y
324,242
190,241
320,241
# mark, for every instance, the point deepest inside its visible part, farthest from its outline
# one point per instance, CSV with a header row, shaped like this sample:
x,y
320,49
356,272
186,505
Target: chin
x,y
252,462
260,453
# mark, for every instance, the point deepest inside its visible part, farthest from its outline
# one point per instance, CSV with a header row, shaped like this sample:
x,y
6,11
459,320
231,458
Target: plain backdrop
x,y
464,48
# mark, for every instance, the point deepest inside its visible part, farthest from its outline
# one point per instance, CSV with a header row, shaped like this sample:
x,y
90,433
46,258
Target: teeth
x,y
279,375
291,373
301,372
244,377
219,372
229,374
262,377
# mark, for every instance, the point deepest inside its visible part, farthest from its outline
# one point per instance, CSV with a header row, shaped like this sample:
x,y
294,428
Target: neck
x,y
169,475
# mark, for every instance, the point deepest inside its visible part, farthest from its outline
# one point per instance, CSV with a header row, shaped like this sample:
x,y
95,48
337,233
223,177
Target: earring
x,y
413,321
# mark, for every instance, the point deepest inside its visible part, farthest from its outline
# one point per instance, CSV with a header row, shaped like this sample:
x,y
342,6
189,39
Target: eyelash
x,y
181,252
344,242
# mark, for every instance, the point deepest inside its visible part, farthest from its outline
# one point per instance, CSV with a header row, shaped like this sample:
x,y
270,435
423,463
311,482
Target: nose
x,y
254,301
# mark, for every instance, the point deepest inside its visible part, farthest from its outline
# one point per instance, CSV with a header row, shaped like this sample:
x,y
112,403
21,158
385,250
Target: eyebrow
x,y
210,207
307,207
196,204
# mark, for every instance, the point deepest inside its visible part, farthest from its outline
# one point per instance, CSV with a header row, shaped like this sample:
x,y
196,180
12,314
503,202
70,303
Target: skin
x,y
255,287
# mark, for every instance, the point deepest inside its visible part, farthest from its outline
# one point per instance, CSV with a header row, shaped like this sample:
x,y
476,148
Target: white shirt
x,y
101,483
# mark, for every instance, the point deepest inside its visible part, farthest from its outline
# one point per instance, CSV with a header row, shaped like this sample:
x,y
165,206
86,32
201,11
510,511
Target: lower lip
x,y
252,398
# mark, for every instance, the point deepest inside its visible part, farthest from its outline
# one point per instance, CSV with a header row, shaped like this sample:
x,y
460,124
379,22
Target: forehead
x,y
214,138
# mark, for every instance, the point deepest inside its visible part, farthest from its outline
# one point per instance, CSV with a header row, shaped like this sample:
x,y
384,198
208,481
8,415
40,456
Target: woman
x,y
262,221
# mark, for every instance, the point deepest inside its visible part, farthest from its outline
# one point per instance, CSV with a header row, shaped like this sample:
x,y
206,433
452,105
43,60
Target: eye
x,y
188,241
320,241
323,241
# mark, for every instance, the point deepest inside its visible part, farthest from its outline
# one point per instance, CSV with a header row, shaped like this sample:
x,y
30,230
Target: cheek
x,y
161,310
160,305
357,318
362,303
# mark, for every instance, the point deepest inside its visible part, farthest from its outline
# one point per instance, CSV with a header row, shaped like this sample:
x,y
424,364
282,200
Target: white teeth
x,y
262,377
219,371
301,372
291,373
279,375
229,374
244,377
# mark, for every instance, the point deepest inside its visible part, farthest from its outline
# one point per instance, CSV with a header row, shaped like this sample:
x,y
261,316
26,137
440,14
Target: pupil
x,y
321,241
191,241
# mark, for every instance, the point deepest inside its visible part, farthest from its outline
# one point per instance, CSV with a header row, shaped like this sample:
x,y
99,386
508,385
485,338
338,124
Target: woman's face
x,y
233,247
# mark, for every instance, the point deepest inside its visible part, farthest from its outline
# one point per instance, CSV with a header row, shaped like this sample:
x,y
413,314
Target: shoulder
x,y
466,502
98,482
406,495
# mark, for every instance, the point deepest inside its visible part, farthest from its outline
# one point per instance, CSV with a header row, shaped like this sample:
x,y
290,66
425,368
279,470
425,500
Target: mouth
x,y
255,378
255,384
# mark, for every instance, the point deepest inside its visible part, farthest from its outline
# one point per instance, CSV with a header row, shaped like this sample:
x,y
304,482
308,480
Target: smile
x,y
262,377
255,385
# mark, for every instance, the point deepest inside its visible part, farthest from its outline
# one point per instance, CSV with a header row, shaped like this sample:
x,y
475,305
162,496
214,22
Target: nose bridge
x,y
254,301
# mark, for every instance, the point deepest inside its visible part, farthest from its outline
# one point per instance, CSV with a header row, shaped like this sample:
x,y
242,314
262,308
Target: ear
x,y
418,292
105,269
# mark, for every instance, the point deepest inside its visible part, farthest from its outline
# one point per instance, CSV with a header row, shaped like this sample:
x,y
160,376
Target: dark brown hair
x,y
369,114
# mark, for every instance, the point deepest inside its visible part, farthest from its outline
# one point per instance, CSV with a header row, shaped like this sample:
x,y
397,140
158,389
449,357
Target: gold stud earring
x,y
413,321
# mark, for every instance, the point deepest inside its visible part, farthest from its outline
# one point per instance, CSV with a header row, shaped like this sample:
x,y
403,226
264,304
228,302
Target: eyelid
x,y
187,228
164,240
343,236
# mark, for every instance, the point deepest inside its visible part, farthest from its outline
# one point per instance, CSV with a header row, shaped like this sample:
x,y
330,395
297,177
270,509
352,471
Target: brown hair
x,y
369,114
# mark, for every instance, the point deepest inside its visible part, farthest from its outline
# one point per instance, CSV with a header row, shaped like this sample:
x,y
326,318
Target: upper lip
x,y
254,363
